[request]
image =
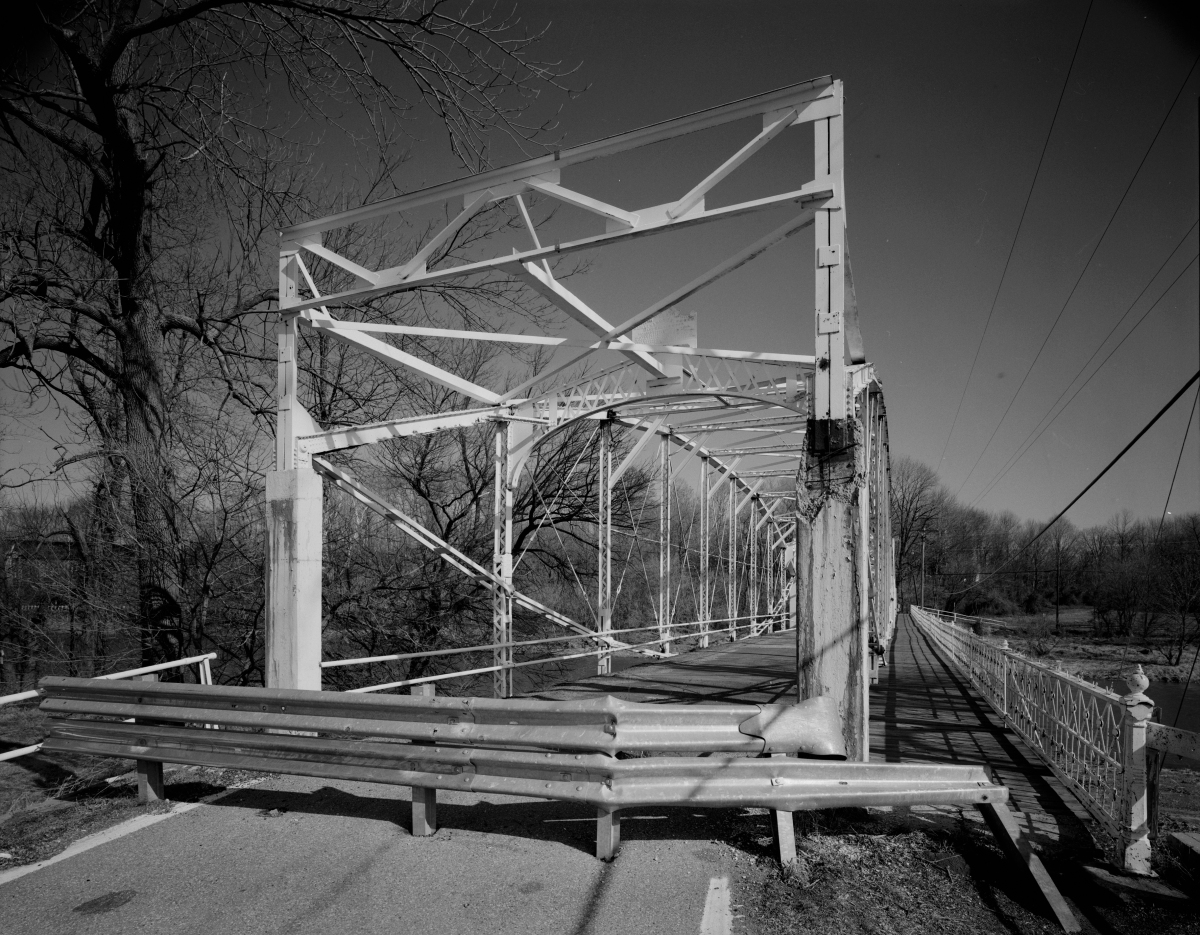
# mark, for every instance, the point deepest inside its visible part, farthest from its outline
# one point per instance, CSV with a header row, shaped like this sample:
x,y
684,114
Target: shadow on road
x,y
562,822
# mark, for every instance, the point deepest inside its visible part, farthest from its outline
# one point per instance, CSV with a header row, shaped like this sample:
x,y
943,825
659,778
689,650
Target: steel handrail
x,y
424,654
1091,766
205,675
444,676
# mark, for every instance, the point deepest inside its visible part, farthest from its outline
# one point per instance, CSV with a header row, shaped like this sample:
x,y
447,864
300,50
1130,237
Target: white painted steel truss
x,y
735,419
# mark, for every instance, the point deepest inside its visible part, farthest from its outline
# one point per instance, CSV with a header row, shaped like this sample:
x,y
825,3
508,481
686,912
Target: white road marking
x,y
718,912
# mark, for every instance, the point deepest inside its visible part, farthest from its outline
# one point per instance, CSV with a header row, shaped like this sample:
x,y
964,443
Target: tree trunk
x,y
151,489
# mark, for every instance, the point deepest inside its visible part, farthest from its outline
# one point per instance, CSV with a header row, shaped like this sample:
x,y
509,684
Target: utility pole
x,y
1057,555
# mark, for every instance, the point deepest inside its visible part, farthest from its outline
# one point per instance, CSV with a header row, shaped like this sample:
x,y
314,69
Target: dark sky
x,y
948,108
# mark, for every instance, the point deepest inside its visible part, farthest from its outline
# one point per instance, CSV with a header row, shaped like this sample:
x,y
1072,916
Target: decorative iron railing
x,y
1092,739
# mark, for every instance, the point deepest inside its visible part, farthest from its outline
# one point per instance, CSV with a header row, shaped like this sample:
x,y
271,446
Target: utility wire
x,y
1082,273
1041,429
1095,480
1171,489
1020,223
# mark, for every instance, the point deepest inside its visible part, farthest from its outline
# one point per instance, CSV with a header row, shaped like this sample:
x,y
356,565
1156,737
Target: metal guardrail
x,y
1092,739
520,747
546,749
204,673
603,781
604,725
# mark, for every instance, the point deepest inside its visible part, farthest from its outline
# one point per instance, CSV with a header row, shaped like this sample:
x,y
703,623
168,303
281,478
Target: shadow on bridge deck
x,y
924,711
753,671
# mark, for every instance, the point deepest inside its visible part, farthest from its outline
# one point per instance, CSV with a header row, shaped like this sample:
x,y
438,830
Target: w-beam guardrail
x,y
1093,740
556,750
604,725
543,749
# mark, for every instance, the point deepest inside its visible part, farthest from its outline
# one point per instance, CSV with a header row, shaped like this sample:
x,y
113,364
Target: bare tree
x,y
916,500
146,151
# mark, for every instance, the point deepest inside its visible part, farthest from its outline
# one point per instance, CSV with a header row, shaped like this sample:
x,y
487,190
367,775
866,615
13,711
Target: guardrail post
x,y
1135,825
783,830
150,786
608,833
424,801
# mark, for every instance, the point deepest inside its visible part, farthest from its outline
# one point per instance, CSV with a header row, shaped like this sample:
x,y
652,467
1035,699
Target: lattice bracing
x,y
720,435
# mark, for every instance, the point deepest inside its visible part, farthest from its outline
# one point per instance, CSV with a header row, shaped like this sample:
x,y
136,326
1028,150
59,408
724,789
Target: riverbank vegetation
x,y
1098,599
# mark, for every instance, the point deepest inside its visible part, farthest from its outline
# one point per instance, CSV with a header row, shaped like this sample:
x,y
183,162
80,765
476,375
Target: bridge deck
x,y
922,711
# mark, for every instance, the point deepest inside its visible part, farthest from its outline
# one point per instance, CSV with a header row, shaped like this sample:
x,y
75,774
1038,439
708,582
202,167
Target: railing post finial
x,y
1135,826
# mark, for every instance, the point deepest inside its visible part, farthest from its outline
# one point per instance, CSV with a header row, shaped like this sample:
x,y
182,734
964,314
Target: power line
x,y
1020,223
1171,489
1095,480
1082,273
1040,429
1149,425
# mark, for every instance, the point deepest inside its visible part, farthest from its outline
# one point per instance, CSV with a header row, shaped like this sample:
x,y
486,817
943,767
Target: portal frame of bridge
x,y
822,415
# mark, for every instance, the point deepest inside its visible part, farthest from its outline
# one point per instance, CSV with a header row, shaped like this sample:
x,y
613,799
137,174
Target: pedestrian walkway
x,y
924,711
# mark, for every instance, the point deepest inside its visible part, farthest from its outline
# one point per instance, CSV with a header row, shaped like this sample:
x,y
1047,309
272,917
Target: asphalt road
x,y
307,855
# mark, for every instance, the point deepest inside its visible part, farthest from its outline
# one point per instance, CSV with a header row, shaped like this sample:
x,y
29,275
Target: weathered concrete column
x,y
831,635
293,611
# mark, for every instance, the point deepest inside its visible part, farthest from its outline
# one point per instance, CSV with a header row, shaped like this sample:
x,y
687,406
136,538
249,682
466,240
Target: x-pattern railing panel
x,y
1073,725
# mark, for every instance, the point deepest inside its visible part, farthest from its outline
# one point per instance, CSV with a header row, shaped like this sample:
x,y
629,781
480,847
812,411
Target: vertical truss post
x,y
664,544
790,559
772,603
751,522
705,609
830,235
865,505
731,583
604,547
832,638
502,566
294,507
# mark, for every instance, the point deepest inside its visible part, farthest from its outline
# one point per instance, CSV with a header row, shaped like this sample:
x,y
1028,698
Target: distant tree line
x,y
1139,577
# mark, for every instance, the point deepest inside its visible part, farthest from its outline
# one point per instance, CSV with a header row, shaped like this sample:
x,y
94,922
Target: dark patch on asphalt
x,y
710,855
531,887
106,903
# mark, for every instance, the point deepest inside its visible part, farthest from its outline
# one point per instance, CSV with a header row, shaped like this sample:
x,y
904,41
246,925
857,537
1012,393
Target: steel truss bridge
x,y
789,451
790,457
